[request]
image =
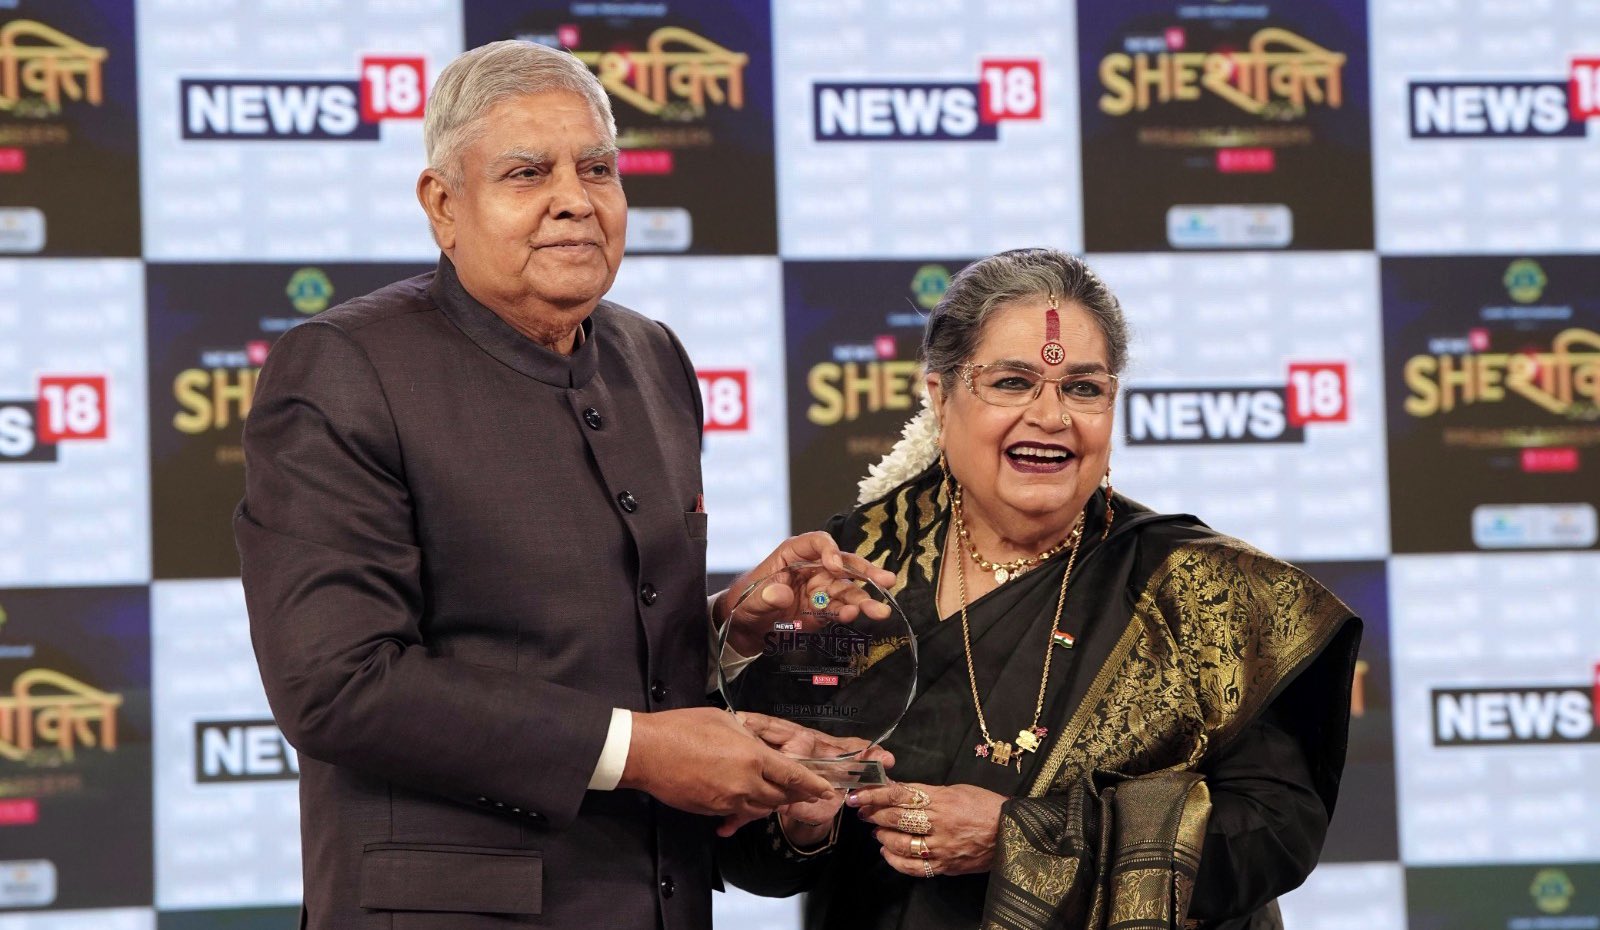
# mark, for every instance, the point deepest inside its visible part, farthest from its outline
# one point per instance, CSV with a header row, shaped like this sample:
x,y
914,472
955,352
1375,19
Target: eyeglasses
x,y
1010,386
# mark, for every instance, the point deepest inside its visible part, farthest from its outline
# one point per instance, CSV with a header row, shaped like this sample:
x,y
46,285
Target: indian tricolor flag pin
x,y
1064,640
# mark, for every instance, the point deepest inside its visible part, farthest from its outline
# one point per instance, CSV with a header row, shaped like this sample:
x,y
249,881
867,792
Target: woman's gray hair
x,y
472,84
956,323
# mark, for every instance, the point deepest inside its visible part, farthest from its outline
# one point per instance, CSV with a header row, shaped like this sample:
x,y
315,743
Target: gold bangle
x,y
793,851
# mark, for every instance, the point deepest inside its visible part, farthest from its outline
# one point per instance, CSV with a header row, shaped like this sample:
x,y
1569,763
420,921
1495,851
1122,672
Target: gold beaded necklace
x,y
1003,571
1028,738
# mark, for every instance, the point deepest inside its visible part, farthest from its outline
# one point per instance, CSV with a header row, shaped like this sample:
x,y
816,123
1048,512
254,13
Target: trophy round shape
x,y
837,656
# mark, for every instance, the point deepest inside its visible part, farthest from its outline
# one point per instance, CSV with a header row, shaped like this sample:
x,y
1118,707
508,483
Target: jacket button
x,y
592,417
647,593
658,691
668,887
627,501
483,801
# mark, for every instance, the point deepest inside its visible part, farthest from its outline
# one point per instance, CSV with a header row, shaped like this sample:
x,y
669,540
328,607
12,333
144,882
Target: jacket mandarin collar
x,y
510,347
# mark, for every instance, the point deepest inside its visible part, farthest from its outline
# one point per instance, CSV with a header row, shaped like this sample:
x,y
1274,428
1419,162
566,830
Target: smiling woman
x,y
1100,687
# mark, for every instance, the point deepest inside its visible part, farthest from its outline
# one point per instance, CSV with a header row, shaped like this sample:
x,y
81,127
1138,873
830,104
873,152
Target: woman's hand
x,y
810,823
962,824
777,601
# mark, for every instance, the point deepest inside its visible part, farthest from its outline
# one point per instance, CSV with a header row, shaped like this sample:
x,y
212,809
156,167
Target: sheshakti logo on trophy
x,y
837,656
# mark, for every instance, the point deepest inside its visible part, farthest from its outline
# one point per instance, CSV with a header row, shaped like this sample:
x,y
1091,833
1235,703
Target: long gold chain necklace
x,y
1003,571
1028,738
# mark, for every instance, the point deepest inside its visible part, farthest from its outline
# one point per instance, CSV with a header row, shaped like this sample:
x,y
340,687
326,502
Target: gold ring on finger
x,y
927,870
919,848
919,800
915,822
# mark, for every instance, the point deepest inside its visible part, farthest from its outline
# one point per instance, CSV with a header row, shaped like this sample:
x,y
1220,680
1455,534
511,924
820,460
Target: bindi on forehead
x,y
1051,351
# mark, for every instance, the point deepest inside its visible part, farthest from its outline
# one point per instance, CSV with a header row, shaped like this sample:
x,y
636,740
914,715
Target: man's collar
x,y
510,347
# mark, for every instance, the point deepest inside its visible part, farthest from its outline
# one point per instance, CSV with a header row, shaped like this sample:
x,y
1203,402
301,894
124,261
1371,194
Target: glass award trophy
x,y
836,655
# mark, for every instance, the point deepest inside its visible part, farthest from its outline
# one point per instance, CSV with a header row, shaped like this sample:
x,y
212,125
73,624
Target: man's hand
x,y
808,823
777,601
704,761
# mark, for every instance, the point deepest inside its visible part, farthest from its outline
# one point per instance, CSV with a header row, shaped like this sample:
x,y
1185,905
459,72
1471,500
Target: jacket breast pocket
x,y
695,521
461,879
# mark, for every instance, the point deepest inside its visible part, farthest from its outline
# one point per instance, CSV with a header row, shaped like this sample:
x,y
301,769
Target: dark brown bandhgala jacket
x,y
460,552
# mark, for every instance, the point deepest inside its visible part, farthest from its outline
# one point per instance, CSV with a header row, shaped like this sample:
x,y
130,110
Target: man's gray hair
x,y
472,84
955,325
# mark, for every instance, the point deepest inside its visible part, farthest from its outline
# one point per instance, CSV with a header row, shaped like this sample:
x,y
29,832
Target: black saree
x,y
851,886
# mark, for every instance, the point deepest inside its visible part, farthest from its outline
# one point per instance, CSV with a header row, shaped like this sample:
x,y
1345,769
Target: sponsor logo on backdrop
x,y
861,378
1517,715
216,393
1220,125
64,408
864,377
27,883
929,284
51,85
1535,108
1316,393
242,750
304,109
691,89
930,111
1511,392
1551,891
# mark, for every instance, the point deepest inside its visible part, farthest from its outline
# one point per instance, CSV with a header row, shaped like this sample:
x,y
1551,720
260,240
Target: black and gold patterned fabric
x,y
1209,682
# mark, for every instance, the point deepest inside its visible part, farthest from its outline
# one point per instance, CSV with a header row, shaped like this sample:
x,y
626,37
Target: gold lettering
x,y
209,397
62,718
1424,399
1118,99
707,72
1280,66
50,66
823,382
860,380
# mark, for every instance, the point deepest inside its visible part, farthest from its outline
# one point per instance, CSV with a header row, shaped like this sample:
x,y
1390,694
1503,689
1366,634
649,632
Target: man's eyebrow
x,y
603,151
520,157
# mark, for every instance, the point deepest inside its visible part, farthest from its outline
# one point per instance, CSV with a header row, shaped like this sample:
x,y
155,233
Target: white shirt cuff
x,y
614,754
731,659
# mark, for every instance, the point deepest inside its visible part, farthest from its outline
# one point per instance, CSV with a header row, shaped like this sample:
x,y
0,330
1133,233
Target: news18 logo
x,y
1316,392
1508,109
1513,715
65,408
304,109
929,111
242,750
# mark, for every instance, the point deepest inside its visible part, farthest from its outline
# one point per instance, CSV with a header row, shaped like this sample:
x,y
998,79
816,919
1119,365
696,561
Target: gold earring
x,y
1111,512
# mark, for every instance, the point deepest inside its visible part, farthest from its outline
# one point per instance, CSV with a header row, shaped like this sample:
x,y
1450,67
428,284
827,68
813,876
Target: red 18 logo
x,y
1011,89
72,407
392,88
724,394
1318,393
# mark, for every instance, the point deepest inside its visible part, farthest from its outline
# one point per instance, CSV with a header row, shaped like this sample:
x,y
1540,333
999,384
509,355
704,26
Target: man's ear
x,y
438,202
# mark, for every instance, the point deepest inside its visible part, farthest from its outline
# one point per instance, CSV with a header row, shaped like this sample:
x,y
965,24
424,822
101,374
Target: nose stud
x,y
1066,418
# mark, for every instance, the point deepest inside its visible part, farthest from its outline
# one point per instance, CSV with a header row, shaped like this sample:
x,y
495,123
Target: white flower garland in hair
x,y
917,448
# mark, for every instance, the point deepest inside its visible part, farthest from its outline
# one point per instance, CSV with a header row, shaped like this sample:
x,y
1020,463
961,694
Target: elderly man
x,y
474,554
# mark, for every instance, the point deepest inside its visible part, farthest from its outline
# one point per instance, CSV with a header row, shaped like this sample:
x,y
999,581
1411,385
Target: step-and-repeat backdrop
x,y
1359,246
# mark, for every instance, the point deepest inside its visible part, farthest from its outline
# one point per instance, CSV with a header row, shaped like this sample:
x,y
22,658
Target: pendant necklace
x,y
1029,737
